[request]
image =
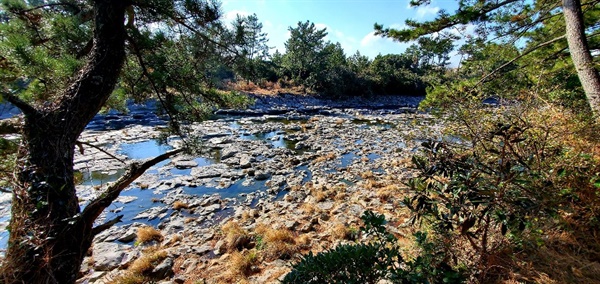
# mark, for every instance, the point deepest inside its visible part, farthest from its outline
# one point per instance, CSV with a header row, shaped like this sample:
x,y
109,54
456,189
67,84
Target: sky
x,y
349,22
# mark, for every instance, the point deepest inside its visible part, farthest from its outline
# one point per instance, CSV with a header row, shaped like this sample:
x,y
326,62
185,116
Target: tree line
x,y
320,66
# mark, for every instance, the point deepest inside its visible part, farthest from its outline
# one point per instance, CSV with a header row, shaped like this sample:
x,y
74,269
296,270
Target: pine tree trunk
x,y
580,53
48,238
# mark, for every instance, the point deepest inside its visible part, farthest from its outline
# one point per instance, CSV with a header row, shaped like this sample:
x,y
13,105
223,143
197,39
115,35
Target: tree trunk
x,y
580,53
48,238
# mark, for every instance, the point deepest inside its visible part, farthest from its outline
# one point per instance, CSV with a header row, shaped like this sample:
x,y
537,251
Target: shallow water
x,y
3,233
147,198
143,150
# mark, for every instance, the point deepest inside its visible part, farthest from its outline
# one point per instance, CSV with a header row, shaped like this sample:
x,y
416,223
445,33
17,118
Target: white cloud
x,y
370,39
268,24
371,45
231,15
424,11
321,26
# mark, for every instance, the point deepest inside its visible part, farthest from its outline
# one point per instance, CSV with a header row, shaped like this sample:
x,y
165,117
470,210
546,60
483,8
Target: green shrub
x,y
344,264
374,261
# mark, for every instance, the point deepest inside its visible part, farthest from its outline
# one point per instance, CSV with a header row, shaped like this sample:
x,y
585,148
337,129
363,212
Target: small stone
x,y
164,269
108,256
290,224
262,175
128,236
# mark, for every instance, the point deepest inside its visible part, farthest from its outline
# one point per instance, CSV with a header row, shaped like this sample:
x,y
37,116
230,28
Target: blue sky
x,y
349,22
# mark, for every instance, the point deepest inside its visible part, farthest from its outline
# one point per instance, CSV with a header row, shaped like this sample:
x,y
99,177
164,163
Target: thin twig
x,y
100,228
79,143
519,57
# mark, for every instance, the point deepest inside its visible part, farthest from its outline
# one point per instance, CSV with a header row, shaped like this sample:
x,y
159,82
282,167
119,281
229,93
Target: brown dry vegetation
x,y
278,243
147,234
242,264
139,271
323,158
563,247
266,88
178,205
235,237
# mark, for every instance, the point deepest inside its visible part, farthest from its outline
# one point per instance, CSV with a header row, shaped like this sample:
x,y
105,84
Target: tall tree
x,y
253,50
580,52
302,59
61,61
511,21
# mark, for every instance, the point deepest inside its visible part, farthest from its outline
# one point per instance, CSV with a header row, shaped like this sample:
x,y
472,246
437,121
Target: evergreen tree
x,y
252,45
61,61
303,60
541,25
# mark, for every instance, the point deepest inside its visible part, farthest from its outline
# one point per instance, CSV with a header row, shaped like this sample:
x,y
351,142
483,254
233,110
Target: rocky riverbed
x,y
290,165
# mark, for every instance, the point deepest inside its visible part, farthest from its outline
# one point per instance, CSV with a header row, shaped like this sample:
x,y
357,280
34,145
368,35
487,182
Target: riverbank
x,y
305,174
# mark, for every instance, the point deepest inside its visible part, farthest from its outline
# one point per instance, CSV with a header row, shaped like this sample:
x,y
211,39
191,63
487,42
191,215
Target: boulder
x,y
109,256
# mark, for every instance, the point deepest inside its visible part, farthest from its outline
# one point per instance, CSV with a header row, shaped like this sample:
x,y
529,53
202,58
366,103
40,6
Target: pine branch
x,y
95,208
484,78
76,8
26,108
101,228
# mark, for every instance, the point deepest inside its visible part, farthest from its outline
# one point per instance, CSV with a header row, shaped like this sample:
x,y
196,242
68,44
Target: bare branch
x,y
101,228
79,143
95,208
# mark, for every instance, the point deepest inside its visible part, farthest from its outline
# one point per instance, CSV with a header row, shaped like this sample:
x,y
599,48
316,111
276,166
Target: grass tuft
x,y
178,205
236,238
147,234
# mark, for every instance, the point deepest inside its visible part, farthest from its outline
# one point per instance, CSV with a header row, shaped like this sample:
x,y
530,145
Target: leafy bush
x,y
371,262
344,264
513,180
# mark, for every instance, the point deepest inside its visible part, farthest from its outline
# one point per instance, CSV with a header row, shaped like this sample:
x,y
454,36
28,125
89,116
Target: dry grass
x,y
243,264
245,216
319,195
319,192
178,205
146,263
235,237
388,192
245,86
129,278
567,257
340,196
147,234
323,158
173,240
266,88
367,175
278,243
280,235
339,231
309,208
303,240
